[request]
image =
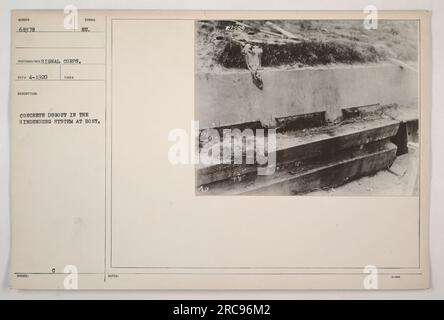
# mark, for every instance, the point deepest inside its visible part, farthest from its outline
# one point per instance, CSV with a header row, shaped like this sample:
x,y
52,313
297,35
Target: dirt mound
x,y
304,53
317,42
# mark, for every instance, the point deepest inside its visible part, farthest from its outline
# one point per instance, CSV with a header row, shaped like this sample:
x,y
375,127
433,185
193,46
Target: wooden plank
x,y
330,175
353,112
318,173
283,31
295,149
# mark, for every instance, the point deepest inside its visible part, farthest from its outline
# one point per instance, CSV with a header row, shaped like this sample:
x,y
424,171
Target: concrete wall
x,y
231,97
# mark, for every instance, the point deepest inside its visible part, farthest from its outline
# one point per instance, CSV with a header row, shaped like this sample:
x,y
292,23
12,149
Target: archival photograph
x,y
307,107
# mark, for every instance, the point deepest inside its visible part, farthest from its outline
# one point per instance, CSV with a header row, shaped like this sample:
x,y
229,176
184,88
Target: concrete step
x,y
300,122
406,115
317,173
300,145
359,111
407,132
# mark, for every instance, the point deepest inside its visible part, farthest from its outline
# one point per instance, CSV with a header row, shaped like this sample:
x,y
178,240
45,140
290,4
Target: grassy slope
x,y
325,42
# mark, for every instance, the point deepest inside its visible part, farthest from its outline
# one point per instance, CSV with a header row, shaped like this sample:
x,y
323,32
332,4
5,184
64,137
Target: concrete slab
x,y
337,170
230,98
302,145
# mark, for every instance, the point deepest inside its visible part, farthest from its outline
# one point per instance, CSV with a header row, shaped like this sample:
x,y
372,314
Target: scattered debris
x,y
252,55
397,169
287,34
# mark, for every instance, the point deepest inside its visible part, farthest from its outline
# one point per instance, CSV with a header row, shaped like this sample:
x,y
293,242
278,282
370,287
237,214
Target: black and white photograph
x,y
307,107
238,153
